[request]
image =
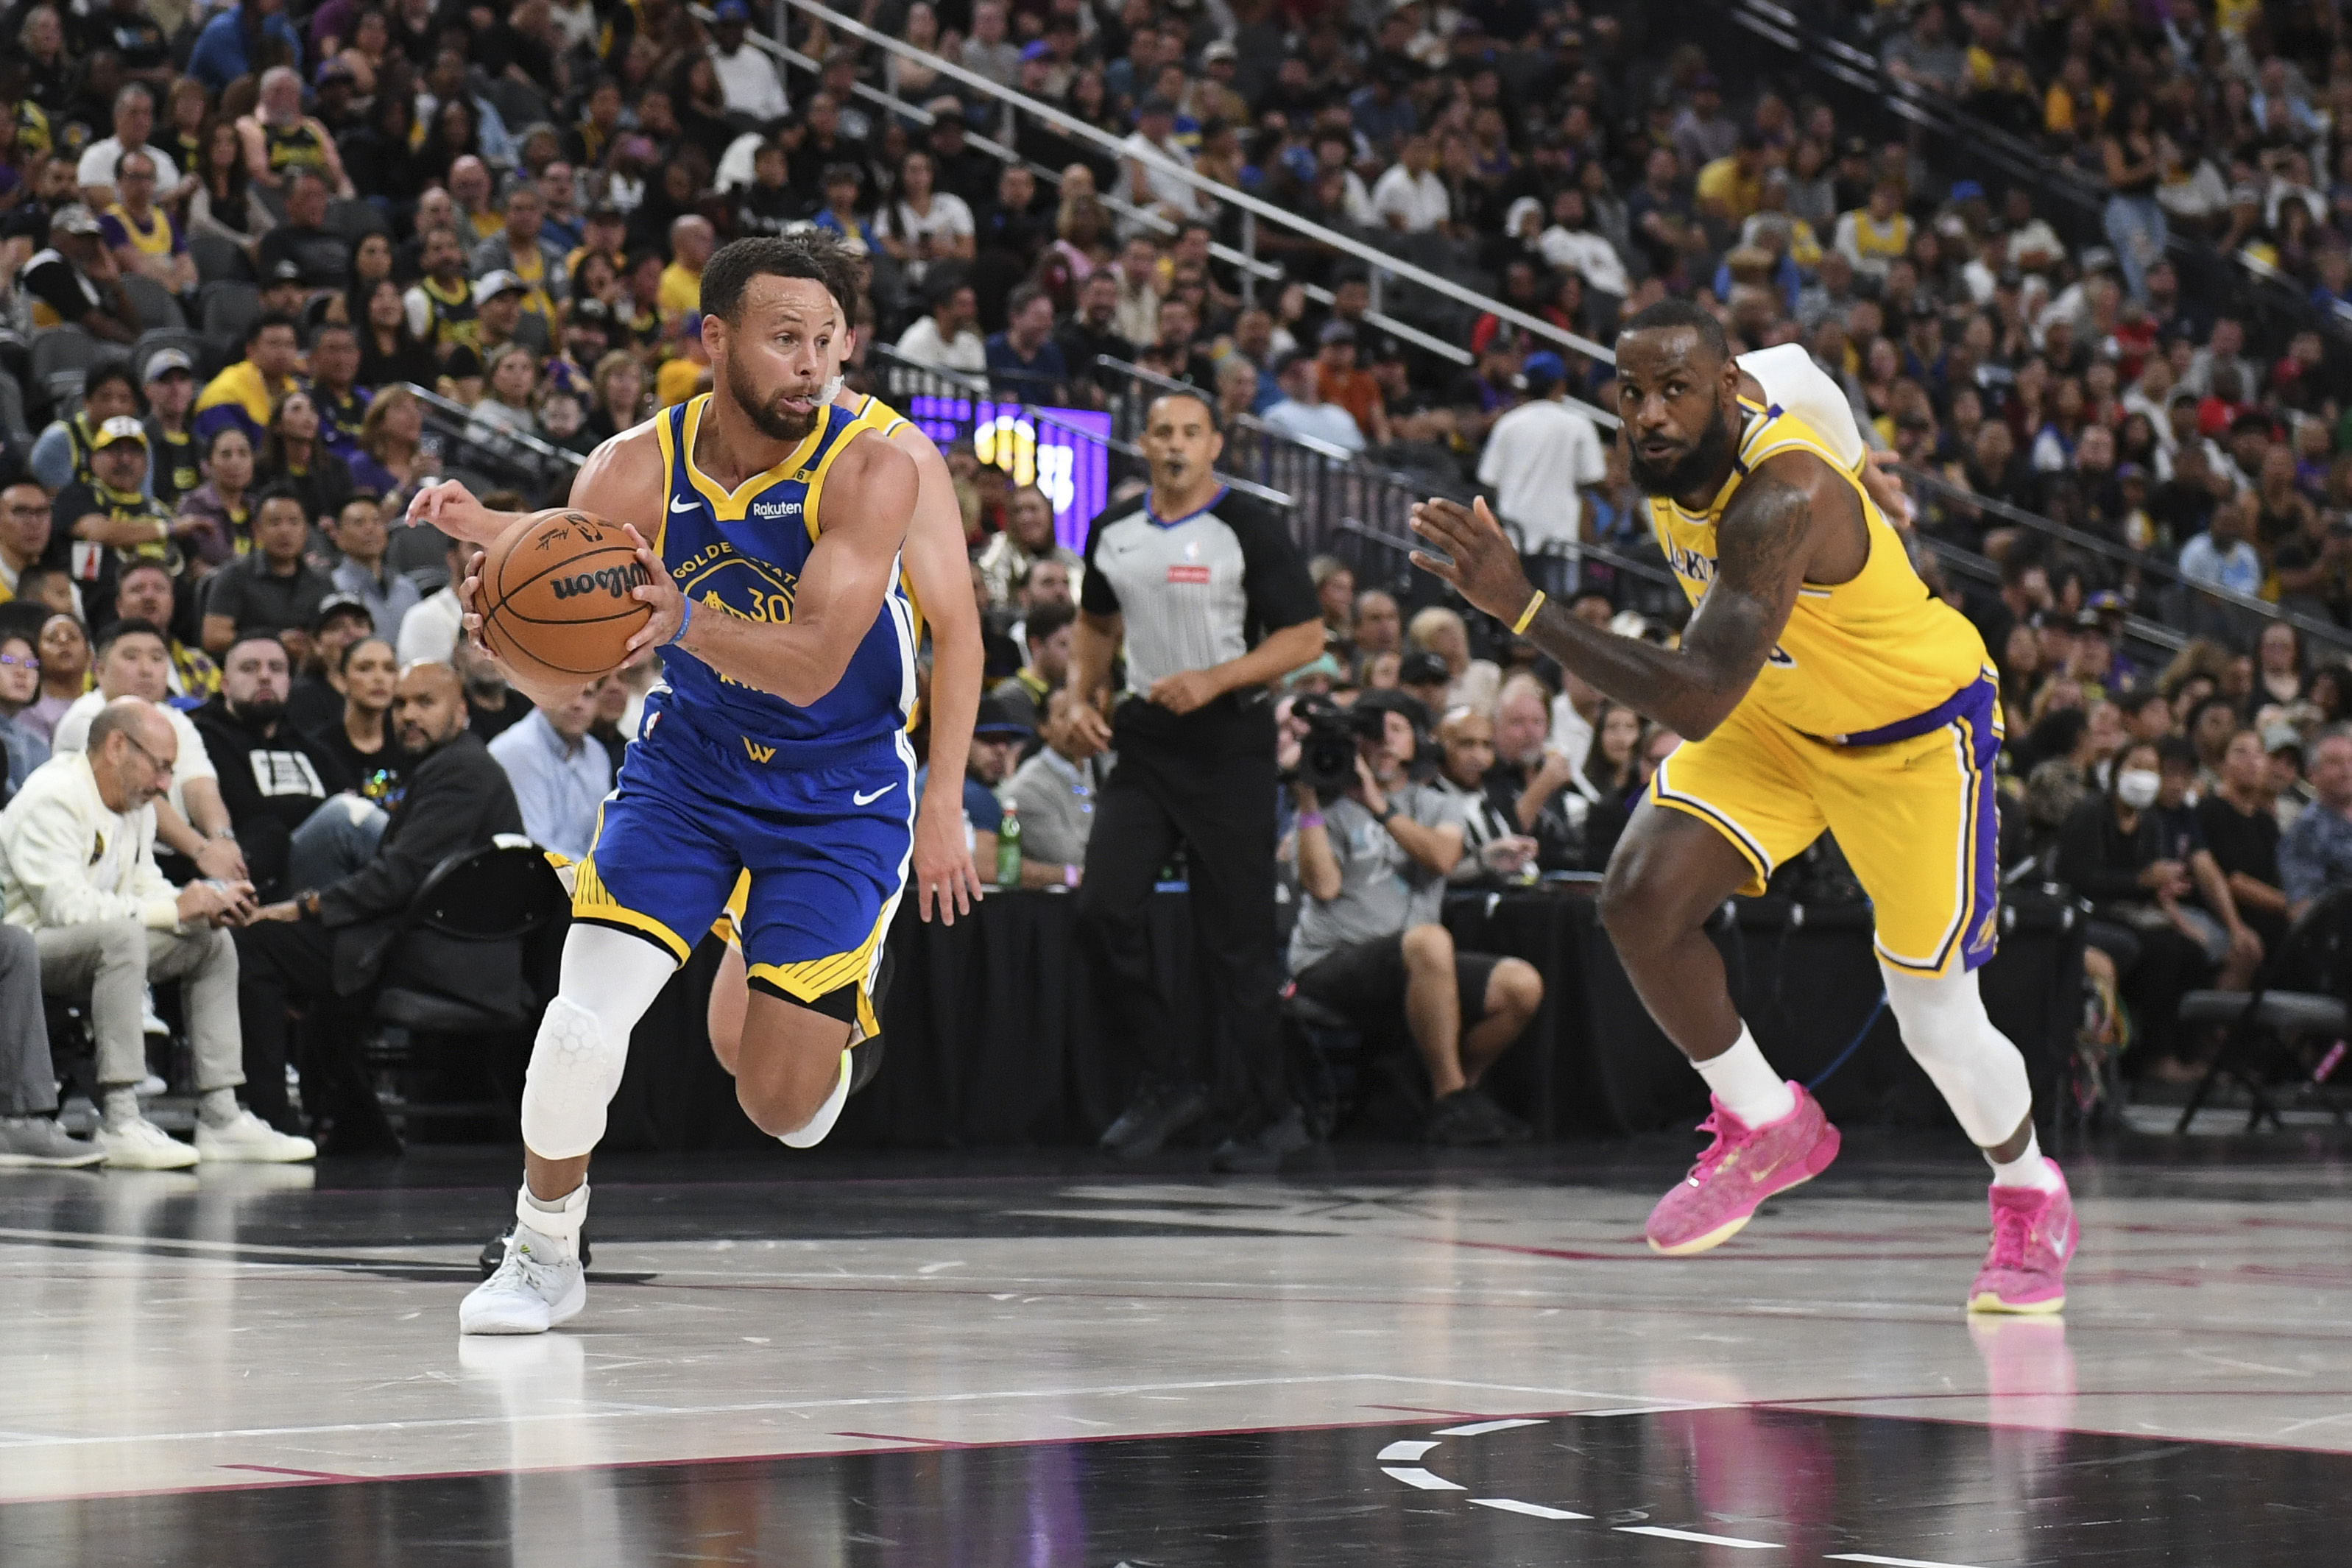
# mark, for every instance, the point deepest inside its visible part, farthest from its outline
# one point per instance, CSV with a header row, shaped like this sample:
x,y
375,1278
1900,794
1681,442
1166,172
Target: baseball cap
x,y
1036,49
335,604
122,428
1422,668
1404,702
1541,371
1222,49
1967,191
74,218
2089,620
336,69
996,719
592,310
1335,333
2107,600
2282,737
163,362
495,282
732,11
285,272
1155,104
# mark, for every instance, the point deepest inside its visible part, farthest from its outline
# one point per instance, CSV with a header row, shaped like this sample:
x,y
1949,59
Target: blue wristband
x,y
684,621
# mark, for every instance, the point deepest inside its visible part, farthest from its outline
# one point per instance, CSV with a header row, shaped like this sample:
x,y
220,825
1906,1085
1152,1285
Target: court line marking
x,y
1428,1481
1405,1450
1664,1534
1532,1510
1891,1561
1663,1409
456,1423
1480,1428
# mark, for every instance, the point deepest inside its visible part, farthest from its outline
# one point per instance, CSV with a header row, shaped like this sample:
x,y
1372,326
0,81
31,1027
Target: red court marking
x,y
1425,1410
907,1442
302,1475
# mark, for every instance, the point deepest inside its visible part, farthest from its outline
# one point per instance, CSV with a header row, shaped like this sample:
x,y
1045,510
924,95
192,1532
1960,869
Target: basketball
x,y
555,596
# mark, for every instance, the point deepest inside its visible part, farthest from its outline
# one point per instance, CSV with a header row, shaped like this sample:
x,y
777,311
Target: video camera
x,y
1327,755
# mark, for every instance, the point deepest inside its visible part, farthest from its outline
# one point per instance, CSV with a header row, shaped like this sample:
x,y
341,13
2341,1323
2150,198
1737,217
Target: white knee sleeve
x,y
1981,1072
610,978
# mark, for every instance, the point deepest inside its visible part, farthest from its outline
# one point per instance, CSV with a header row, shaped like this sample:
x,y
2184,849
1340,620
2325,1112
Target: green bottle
x,y
1008,848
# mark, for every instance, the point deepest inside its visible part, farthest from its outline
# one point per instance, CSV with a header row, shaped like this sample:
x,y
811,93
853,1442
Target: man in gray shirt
x,y
1054,790
1370,944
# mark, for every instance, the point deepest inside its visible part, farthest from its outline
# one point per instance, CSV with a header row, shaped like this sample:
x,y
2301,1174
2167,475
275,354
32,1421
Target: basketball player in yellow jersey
x,y
1818,685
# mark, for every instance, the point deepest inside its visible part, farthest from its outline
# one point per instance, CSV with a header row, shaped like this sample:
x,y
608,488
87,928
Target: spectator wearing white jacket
x,y
78,860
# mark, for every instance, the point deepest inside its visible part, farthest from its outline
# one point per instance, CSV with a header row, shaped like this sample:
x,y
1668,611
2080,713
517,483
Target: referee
x,y
1213,602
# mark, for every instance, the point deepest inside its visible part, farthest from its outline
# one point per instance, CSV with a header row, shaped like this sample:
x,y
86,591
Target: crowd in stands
x,y
511,208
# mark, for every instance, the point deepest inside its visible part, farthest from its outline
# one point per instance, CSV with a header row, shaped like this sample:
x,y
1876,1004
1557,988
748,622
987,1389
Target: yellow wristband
x,y
1527,616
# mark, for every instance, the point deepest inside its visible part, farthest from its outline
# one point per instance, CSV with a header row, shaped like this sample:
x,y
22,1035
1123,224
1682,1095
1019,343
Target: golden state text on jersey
x,y
741,552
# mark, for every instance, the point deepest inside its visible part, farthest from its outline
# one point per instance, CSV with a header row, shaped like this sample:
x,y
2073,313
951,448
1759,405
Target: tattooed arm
x,y
1793,508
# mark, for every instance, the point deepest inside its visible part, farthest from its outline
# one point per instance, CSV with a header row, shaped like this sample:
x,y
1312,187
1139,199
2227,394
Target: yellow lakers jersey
x,y
1856,656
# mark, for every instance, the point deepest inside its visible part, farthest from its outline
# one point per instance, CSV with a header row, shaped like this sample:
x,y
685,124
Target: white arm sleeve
x,y
1792,379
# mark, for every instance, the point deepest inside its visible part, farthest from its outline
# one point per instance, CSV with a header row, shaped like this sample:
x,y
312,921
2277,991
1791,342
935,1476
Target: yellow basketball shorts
x,y
1911,805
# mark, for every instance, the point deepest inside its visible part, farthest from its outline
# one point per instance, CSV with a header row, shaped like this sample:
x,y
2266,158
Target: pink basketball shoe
x,y
2033,1235
1739,1170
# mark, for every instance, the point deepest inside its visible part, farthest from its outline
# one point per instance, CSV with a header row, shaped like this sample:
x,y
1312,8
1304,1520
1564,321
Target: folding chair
x,y
2281,1035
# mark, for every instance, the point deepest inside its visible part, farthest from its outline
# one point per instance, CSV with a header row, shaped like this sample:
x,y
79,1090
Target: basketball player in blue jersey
x,y
776,744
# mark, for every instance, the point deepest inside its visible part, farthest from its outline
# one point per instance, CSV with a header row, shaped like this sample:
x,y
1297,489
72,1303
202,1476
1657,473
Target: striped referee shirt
x,y
1194,590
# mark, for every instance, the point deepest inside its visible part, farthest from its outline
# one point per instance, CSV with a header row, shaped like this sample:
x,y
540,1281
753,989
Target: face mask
x,y
2136,787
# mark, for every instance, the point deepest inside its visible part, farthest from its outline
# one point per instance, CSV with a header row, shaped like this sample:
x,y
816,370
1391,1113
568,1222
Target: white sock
x,y
216,1108
1746,1082
557,1219
2028,1170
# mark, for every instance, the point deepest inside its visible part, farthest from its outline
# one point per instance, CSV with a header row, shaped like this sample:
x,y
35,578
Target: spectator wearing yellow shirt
x,y
1873,236
2074,105
686,372
691,241
1731,187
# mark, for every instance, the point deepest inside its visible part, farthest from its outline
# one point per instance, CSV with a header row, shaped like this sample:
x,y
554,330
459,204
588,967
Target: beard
x,y
1703,464
262,713
775,423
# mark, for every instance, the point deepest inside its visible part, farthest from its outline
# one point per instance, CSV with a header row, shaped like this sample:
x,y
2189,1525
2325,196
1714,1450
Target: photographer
x,y
1374,853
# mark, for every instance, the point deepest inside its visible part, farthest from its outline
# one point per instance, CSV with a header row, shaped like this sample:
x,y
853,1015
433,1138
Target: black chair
x,y
436,985
356,218
219,260
2279,1036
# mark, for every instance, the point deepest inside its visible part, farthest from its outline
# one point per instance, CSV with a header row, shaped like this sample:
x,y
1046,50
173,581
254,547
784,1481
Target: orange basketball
x,y
555,596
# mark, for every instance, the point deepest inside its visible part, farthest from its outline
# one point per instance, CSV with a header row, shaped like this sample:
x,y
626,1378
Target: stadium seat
x,y
13,428
156,307
219,260
355,219
228,309
63,357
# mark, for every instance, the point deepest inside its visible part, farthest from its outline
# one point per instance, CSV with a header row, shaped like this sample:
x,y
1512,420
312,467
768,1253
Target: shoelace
x,y
534,1272
2012,1228
1725,1141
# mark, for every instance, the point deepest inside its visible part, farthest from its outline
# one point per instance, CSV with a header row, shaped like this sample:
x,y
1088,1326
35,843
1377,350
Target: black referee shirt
x,y
1195,592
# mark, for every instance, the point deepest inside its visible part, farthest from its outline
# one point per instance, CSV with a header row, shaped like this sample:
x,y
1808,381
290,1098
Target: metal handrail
x,y
456,410
1070,125
1250,265
2124,555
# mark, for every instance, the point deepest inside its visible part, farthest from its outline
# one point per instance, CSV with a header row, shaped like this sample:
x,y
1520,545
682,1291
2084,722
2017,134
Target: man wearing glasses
x,y
78,859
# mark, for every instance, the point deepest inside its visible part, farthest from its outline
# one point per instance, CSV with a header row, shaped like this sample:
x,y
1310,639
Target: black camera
x,y
1327,755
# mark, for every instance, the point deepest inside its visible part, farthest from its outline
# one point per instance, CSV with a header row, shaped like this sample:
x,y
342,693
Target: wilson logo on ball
x,y
616,581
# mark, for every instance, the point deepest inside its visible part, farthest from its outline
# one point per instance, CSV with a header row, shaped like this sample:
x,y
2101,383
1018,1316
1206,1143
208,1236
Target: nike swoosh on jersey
x,y
684,505
862,798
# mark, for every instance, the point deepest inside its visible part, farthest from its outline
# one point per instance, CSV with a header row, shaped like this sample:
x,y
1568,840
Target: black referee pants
x,y
1219,805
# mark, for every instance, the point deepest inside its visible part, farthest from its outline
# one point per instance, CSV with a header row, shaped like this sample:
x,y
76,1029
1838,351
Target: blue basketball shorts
x,y
822,846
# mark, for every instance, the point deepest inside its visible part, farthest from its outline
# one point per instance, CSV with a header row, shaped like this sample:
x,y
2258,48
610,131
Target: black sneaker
x,y
496,1252
1156,1114
1468,1119
1263,1152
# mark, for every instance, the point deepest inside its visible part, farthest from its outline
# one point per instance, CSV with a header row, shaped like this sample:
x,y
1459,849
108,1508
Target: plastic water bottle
x,y
1008,848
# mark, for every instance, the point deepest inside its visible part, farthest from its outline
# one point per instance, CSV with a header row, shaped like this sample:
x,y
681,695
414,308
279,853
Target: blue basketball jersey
x,y
742,552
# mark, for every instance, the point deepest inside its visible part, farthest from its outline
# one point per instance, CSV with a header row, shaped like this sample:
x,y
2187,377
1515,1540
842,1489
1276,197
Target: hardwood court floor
x,y
1037,1361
